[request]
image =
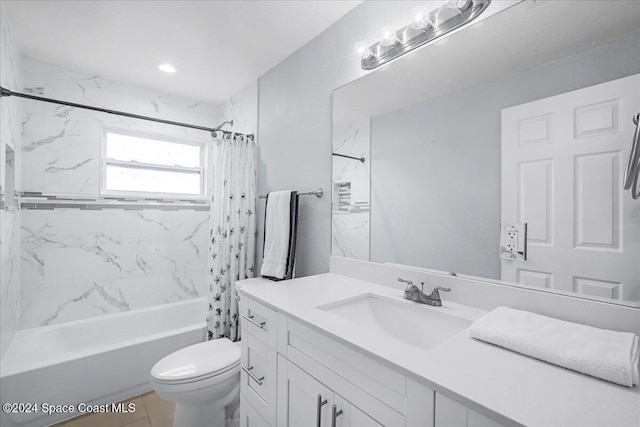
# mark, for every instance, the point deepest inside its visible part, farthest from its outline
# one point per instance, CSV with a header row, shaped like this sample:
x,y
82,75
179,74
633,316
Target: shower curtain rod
x,y
6,92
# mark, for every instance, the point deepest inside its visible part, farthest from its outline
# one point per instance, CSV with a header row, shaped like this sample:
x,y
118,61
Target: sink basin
x,y
414,324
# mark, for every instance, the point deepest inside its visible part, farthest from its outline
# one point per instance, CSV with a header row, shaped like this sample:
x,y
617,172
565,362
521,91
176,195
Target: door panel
x,y
298,396
450,413
352,416
475,419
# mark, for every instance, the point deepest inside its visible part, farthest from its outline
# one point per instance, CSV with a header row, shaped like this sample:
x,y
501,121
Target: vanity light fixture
x,y
388,36
167,68
424,27
362,49
420,18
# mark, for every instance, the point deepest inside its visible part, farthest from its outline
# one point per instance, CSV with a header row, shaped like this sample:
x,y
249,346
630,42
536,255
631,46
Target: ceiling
x,y
217,47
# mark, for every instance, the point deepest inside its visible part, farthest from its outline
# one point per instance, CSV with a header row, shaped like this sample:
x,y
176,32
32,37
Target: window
x,y
148,165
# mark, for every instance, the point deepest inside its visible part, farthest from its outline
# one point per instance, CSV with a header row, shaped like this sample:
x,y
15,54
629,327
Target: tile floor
x,y
151,411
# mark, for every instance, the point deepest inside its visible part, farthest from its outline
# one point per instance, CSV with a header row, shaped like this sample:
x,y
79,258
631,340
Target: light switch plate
x,y
513,241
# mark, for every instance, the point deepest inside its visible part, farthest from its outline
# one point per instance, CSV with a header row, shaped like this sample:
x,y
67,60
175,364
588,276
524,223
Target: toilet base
x,y
222,413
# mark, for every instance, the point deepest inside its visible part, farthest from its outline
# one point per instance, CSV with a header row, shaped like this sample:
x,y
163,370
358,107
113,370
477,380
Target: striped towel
x,y
280,229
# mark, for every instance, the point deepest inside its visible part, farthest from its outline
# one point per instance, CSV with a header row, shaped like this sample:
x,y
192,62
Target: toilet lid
x,y
204,359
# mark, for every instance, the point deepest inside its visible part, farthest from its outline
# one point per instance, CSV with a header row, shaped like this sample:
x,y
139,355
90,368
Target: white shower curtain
x,y
232,232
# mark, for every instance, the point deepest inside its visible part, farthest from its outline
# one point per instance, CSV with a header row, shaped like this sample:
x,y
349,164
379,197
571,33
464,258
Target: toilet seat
x,y
203,361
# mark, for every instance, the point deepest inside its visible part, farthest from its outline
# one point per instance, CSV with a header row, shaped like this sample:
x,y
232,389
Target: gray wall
x,y
435,166
294,123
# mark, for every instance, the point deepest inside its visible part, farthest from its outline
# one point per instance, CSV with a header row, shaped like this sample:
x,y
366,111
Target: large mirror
x,y
499,152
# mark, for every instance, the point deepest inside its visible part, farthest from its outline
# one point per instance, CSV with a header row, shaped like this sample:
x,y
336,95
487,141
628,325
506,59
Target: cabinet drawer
x,y
259,320
259,376
249,417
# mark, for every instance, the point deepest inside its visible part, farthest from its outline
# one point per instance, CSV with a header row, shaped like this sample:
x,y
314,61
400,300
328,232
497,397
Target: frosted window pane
x,y
151,180
133,148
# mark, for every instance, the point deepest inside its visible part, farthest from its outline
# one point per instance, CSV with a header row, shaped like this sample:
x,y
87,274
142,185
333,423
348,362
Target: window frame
x,y
105,161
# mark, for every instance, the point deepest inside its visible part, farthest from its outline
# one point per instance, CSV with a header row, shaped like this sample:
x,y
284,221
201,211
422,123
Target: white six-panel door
x,y
563,160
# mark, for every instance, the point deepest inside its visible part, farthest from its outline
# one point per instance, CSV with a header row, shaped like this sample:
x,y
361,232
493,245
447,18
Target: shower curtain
x,y
232,232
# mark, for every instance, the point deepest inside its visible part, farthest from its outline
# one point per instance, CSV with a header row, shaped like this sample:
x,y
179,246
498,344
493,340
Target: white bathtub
x,y
96,361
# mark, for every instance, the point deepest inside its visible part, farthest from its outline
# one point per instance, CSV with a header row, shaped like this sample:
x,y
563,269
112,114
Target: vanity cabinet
x,y
295,376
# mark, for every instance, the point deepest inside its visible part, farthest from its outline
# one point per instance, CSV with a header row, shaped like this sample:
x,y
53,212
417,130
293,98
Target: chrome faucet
x,y
413,293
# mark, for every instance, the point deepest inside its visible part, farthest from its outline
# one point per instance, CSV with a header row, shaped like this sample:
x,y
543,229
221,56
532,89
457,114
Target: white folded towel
x,y
601,353
277,228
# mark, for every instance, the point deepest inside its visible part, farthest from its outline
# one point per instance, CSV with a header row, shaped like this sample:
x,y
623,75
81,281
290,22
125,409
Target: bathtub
x,y
93,361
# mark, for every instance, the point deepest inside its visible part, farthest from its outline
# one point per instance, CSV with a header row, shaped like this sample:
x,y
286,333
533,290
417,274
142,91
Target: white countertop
x,y
507,386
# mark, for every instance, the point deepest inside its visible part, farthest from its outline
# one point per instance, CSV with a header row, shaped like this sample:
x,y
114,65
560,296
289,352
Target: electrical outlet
x,y
512,238
513,241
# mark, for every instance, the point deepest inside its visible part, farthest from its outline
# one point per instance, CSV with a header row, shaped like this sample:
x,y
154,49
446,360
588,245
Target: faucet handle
x,y
435,294
410,285
408,282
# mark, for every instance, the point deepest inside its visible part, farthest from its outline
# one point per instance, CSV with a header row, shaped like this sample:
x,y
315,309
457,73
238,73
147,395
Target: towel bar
x,y
318,193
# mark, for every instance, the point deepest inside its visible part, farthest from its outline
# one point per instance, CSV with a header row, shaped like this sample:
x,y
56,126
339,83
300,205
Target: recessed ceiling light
x,y
167,68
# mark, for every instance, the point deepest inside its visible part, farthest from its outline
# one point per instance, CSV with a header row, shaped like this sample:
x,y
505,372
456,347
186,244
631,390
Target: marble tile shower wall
x,y
9,276
242,108
82,263
10,134
78,263
351,191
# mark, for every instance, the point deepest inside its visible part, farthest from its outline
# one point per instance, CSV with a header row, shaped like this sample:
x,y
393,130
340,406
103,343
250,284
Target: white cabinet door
x,y
450,413
350,415
305,402
563,160
302,400
420,409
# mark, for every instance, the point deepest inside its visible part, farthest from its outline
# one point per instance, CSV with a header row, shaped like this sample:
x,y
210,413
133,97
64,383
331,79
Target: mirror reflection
x,y
510,169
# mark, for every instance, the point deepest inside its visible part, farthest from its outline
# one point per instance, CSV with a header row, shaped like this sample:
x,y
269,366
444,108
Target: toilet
x,y
204,382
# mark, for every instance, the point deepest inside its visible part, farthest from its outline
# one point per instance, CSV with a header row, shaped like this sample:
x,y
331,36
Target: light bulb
x,y
420,18
167,68
362,49
388,36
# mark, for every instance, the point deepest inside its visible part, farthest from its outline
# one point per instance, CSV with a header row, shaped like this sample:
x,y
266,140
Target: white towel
x,y
601,353
277,227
